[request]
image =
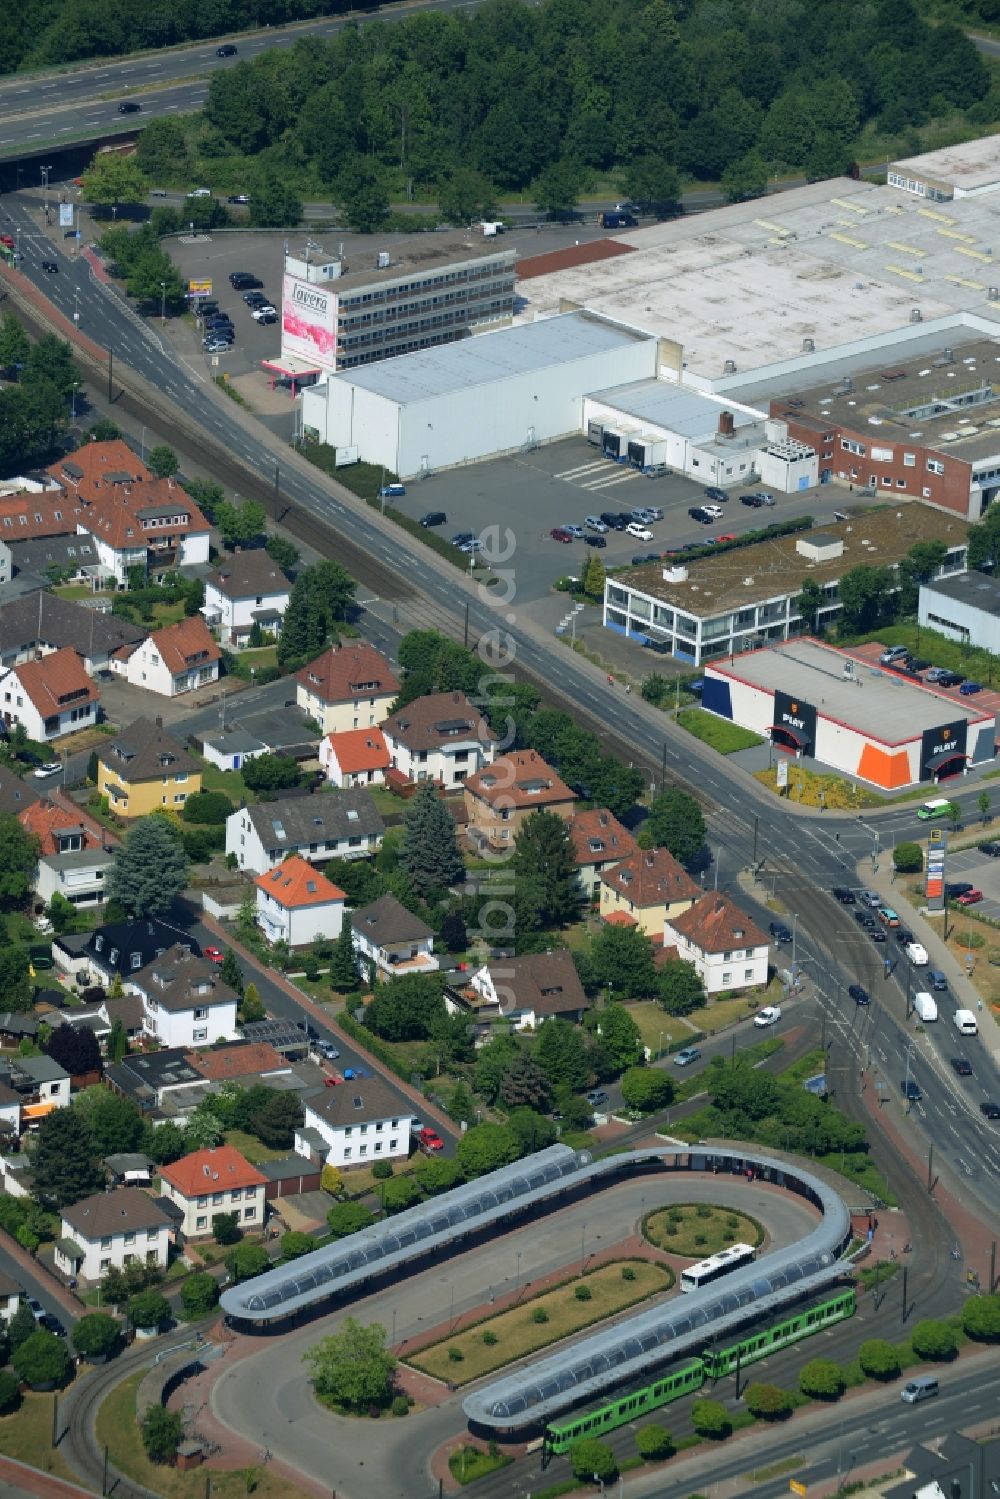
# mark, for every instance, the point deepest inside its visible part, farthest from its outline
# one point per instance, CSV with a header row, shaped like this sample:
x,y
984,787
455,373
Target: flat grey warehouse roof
x,y
686,412
876,703
975,589
487,359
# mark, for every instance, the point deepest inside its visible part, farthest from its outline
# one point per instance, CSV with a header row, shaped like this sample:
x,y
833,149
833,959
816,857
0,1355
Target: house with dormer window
x,y
296,903
185,1002
502,795
647,890
144,768
49,697
350,686
355,1124
440,737
331,825
119,949
728,949
599,841
213,1181
179,658
74,852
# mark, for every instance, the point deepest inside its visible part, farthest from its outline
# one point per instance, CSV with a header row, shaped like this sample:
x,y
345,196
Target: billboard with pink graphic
x,y
308,322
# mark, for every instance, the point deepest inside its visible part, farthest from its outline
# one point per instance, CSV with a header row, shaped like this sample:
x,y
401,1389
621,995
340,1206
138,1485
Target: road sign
x,y
782,774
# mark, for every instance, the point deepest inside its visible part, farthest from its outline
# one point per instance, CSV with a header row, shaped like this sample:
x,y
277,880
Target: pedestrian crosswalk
x,y
602,474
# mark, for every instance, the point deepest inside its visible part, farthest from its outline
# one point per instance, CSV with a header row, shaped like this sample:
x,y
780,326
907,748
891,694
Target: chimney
x,y
726,424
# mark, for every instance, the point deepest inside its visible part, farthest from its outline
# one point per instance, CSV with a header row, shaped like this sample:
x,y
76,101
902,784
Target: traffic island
x,y
696,1230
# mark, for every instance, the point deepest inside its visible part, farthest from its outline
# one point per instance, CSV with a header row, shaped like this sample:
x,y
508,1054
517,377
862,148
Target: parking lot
x,y
982,872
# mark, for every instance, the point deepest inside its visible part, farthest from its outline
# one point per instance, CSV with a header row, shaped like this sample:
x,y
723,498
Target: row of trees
x,y
870,597
35,408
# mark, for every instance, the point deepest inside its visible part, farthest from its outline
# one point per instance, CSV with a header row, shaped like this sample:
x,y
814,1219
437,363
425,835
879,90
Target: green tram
x,y
809,1317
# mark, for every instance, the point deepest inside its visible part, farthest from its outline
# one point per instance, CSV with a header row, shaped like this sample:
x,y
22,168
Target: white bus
x,y
705,1271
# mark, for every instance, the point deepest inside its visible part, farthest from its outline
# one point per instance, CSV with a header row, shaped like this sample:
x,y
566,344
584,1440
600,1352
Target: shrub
x,y
148,1309
654,1442
703,1210
768,1401
732,1221
456,1355
95,1335
710,1419
382,1170
908,858
701,1239
931,1339
822,1379
539,1315
42,1359
211,807
399,1194
592,1459
226,1228
348,1218
199,1294
490,1338
400,1405
981,1318
879,1359
10,1392
628,1272
582,1293
161,1433
672,1227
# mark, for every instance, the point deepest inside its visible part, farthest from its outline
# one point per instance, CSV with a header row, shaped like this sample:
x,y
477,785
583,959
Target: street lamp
x,y
583,1257
163,301
45,189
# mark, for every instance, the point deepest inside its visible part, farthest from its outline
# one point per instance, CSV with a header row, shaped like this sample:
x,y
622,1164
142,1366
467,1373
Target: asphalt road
x,y
33,1285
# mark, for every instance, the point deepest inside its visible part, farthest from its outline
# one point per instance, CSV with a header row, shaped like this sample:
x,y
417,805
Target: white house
x,y
10,1113
350,686
49,697
44,1080
332,825
387,934
727,948
356,1123
78,876
179,658
526,991
231,748
248,589
185,1002
440,737
295,903
355,757
209,1182
74,852
113,1229
10,1296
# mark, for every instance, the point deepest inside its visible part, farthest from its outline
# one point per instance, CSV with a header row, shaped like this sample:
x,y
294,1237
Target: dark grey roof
x,y
248,575
127,1160
63,623
145,752
234,742
326,817
977,590
179,980
41,1069
143,1074
286,1169
15,794
360,1101
16,1023
61,551
388,920
118,1212
112,947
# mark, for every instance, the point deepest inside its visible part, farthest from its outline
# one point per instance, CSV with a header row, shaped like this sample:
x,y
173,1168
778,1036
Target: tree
x,y
399,1194
161,150
149,1309
320,601
524,1084
352,1368
654,1442
21,1326
558,188
113,179
75,1048
161,1433
710,1419
274,203
980,1318
268,773
251,1006
746,178
212,807
681,988
437,1173
561,1053
10,1392
486,1147
231,972
343,961
246,1261
591,1459
768,1401
149,868
822,1379
407,1009
96,1335
920,565
162,461
594,575
294,1244
14,345
908,858
277,1120
933,1340
203,1130
113,1123
199,1295
282,552
653,180
647,1089
429,855
621,960
18,860
347,1218
15,979
63,1161
532,1130
467,196
454,933
809,603
363,196
879,1359
226,1228
42,1360
240,524
983,803
864,594
546,879
675,823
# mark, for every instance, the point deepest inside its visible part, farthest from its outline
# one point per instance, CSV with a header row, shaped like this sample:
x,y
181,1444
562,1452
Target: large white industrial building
x,y
462,402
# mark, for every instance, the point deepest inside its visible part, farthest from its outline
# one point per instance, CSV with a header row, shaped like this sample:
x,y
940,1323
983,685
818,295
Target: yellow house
x,y
145,769
350,686
646,891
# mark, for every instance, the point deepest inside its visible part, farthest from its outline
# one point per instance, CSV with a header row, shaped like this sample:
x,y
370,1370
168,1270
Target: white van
x,y
925,1007
917,954
965,1023
921,1388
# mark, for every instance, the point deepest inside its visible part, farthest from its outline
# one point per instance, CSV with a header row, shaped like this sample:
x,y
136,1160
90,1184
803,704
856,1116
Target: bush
x,y
348,1218
212,807
400,1405
199,1294
710,1419
10,1392
161,1433
148,1309
42,1359
539,1315
981,1318
703,1210
490,1338
226,1228
654,1442
398,1194
930,1339
95,1335
592,1459
822,1379
879,1359
628,1272
908,858
646,1089
768,1401
456,1355
582,1293
382,1170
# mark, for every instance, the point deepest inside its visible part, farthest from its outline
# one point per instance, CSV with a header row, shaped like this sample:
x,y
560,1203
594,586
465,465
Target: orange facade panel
x,y
889,769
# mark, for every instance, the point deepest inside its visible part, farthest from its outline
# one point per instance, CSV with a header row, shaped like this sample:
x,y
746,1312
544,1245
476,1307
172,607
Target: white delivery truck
x,y
916,954
925,1007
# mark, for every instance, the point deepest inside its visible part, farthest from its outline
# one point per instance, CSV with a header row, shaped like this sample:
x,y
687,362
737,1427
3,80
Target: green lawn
x,y
26,1435
517,1333
656,1027
229,781
469,1463
718,733
251,1147
696,1231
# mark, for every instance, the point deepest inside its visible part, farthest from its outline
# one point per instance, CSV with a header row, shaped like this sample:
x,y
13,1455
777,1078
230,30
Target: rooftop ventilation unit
x,y
808,346
993,295
729,368
916,316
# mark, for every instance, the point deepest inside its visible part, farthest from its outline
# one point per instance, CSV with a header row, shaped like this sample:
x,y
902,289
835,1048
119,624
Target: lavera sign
x,y
308,321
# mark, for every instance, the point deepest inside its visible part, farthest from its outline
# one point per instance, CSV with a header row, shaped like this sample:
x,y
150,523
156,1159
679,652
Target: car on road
x,y
936,979
214,954
990,1110
871,898
888,916
917,954
350,1073
714,493
595,541
779,932
200,192
429,1139
904,936
859,995
865,918
226,50
50,266
596,1096
910,1090
962,1066
969,689
434,518
845,896
328,1050
685,1057
50,768
769,1015
130,107
877,935
991,850
639,531
970,898
560,533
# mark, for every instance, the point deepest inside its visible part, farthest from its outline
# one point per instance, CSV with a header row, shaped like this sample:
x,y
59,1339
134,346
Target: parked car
x,y
355,1072
238,280
970,898
699,514
685,1057
935,673
213,954
765,497
955,888
892,654
217,345
559,533
328,1050
726,536
714,493
769,1015
574,530
434,518
596,523
461,537
595,541
50,768
962,1066
919,663
859,995
265,314
779,932
969,689
394,491
429,1139
596,1096
991,850
951,679
639,531
613,521
753,500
